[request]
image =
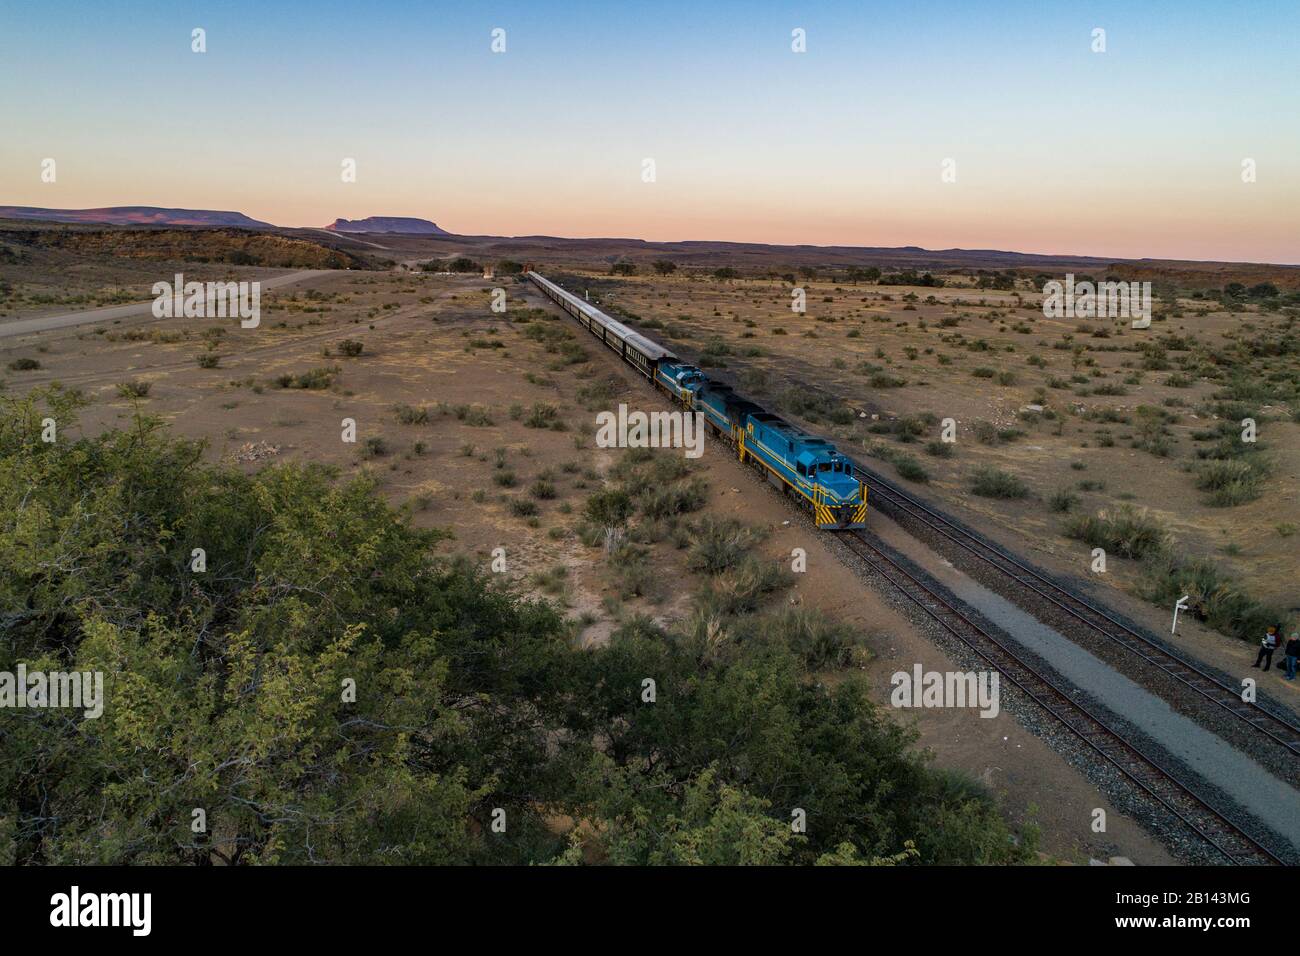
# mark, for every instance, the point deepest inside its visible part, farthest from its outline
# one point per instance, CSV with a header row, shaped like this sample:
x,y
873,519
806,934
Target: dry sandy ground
x,y
428,342
851,334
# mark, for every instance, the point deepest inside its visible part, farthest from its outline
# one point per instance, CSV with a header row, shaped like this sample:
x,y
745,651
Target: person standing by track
x,y
1266,648
1292,652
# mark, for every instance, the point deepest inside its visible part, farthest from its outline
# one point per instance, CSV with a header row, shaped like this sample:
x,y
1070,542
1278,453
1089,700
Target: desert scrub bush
x,y
717,544
814,406
665,467
665,502
505,477
908,428
609,508
571,353
986,433
911,469
351,348
590,534
24,364
523,508
1152,434
879,380
474,415
373,447
208,359
542,490
1232,482
598,394
412,415
135,389
1126,531
544,416
554,580
1214,596
740,589
939,449
633,457
989,482
819,641
316,378
1063,500
633,574
1106,415
650,531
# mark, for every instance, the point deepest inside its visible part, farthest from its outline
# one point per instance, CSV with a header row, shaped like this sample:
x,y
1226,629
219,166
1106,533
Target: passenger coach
x,y
806,466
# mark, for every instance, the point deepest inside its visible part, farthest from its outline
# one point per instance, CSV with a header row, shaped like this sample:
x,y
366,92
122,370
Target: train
x,y
803,465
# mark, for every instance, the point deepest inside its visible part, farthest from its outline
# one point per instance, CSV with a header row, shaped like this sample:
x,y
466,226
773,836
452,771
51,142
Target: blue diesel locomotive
x,y
803,464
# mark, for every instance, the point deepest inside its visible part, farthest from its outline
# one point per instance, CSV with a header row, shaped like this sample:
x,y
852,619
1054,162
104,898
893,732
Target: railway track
x,y
1157,781
1160,783
1183,671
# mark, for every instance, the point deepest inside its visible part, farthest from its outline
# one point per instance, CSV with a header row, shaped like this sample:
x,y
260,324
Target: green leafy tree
x,y
327,689
609,508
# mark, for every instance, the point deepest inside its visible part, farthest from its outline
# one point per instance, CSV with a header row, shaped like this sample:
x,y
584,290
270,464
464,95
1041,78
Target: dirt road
x,y
47,322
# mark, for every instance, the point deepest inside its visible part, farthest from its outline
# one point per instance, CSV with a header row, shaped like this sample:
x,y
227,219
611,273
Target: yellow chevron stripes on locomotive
x,y
823,514
860,513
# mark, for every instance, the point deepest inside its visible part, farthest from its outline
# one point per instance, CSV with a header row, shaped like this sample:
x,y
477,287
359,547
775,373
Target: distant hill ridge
x,y
407,225
411,231
136,216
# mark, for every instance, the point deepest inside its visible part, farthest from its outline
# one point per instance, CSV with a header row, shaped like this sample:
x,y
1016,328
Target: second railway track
x,y
1097,620
1157,781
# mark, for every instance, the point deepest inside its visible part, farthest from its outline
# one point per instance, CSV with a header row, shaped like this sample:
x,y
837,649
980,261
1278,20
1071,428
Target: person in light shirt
x,y
1266,648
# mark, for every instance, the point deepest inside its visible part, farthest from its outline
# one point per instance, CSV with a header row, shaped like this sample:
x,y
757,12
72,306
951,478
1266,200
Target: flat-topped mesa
x,y
402,224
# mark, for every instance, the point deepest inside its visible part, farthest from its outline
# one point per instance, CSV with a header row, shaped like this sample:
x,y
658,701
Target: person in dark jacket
x,y
1266,648
1292,653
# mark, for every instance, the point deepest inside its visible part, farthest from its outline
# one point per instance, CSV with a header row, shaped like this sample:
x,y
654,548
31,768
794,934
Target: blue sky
x,y
1136,151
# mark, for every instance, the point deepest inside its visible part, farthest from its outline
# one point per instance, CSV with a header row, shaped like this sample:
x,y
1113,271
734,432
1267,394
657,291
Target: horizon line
x,y
739,242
